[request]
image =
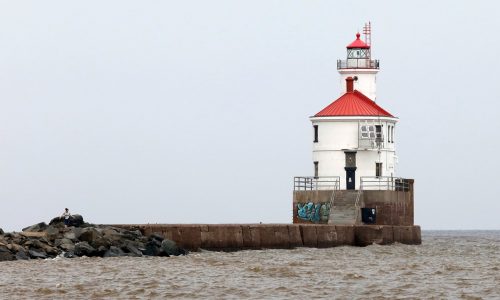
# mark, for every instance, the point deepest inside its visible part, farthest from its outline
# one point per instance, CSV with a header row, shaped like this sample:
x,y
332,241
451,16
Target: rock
x,y
15,247
74,220
52,233
36,228
69,254
21,255
89,235
37,253
67,247
100,241
83,248
1,231
169,247
5,254
56,221
65,244
157,236
132,250
114,252
70,235
132,235
151,248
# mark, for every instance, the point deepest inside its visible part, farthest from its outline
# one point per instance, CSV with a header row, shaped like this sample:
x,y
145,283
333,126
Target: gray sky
x,y
197,111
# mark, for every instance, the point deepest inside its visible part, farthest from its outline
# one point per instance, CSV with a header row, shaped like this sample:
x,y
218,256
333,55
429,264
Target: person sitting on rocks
x,y
66,215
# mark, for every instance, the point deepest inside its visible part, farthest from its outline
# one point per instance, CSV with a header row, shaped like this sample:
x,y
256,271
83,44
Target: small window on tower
x,y
378,169
315,133
371,128
367,131
316,169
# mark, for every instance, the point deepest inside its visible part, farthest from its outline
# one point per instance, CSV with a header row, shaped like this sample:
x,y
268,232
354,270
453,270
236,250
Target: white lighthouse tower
x,y
353,136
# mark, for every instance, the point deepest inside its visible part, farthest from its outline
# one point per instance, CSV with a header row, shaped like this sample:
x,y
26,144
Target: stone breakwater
x,y
82,239
228,237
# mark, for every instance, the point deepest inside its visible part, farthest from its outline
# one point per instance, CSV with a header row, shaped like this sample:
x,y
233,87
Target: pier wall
x,y
393,207
229,237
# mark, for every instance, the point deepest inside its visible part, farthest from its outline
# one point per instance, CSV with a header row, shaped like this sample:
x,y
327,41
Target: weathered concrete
x,y
230,237
393,207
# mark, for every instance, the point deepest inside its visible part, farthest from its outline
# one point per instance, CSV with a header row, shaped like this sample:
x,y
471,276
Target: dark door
x,y
350,178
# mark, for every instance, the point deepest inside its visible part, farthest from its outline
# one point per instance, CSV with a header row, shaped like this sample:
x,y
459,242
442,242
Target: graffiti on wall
x,y
313,212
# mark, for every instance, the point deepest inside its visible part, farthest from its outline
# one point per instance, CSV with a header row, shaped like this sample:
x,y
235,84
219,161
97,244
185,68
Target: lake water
x,y
448,265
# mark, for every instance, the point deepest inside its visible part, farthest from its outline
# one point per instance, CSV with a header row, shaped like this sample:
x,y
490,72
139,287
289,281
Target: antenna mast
x,y
367,32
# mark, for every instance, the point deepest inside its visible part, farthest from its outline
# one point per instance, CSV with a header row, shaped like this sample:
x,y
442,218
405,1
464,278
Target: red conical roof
x,y
353,104
358,43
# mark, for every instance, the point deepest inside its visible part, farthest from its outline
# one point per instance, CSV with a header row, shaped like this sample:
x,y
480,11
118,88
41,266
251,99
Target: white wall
x,y
366,83
336,135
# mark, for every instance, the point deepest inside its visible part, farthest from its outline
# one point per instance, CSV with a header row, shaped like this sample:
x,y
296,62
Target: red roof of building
x,y
353,104
358,43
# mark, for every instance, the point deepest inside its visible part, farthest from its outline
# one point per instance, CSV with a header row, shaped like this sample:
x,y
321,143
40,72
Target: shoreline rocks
x,y
41,241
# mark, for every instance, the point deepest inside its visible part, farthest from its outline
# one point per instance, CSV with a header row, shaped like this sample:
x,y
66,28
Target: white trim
x,y
352,118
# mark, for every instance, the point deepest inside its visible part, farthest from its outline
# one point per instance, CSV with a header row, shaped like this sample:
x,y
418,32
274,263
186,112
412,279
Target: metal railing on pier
x,y
309,183
384,183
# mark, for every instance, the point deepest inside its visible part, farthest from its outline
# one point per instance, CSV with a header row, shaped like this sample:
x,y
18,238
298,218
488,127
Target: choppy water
x,y
449,265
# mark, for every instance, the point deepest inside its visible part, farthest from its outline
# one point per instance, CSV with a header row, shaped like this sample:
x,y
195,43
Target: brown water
x,y
449,265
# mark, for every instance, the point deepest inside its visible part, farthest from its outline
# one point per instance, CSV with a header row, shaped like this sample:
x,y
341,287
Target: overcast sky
x,y
197,111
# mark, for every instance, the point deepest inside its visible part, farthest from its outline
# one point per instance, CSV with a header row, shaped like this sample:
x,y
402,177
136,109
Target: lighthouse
x,y
354,157
354,137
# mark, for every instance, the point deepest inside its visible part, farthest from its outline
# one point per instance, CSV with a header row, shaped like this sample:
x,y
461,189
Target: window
x,y
367,131
392,134
389,135
315,133
378,169
316,163
378,129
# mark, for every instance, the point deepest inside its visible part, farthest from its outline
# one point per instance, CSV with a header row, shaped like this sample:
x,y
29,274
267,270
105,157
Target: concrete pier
x,y
231,237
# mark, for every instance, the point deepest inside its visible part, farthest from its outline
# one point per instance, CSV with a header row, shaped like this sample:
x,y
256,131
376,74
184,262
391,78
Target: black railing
x,y
358,63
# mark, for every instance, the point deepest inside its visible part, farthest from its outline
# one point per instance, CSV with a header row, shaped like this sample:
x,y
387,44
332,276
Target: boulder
x,y
131,235
69,254
114,251
5,254
41,246
151,248
36,228
15,247
21,255
83,248
114,237
157,236
89,235
1,231
67,245
37,253
73,233
52,233
169,247
132,250
74,220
